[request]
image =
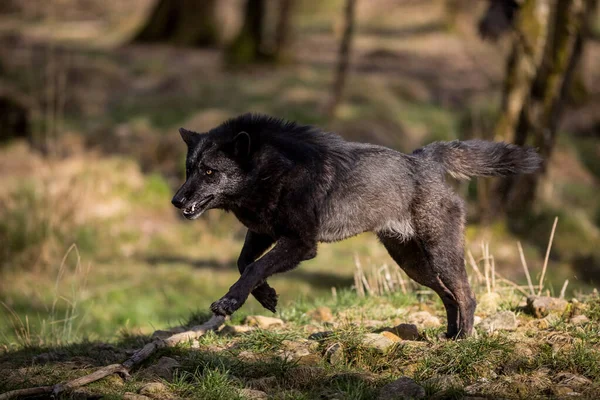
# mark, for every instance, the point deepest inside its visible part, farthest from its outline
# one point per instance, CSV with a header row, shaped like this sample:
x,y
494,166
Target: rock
x,y
134,396
263,384
477,320
377,341
233,330
162,369
402,388
563,391
488,303
540,306
444,382
335,354
321,314
424,319
262,322
304,376
394,338
579,320
371,323
248,356
406,331
572,380
154,389
546,322
253,394
300,350
320,335
502,321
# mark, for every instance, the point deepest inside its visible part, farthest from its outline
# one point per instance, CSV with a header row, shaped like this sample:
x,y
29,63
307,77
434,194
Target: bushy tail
x,y
463,159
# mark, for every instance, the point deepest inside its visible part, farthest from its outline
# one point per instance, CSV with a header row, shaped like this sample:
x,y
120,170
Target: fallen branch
x,y
122,369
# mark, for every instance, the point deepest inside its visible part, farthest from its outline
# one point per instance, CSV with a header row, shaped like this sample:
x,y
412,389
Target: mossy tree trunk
x,y
256,42
541,106
181,22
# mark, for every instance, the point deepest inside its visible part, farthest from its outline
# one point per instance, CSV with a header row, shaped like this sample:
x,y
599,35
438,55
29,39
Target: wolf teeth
x,y
193,207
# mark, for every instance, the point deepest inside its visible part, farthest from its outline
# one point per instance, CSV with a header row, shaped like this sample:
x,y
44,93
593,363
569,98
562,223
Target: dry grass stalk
x,y
525,268
475,267
564,289
547,257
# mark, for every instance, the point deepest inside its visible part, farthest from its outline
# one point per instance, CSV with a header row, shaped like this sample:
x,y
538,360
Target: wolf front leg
x,y
254,246
286,255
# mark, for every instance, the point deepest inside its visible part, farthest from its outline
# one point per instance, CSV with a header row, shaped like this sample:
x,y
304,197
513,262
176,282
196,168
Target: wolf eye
x,y
208,171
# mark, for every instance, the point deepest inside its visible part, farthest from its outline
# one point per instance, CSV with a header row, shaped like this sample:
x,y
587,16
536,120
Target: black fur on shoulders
x,y
300,143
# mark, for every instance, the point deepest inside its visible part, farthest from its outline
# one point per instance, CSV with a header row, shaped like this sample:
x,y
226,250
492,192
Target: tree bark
x,y
343,59
283,29
181,22
541,109
247,48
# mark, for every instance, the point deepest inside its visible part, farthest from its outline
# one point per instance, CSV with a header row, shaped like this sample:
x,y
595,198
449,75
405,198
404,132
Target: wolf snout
x,y
178,201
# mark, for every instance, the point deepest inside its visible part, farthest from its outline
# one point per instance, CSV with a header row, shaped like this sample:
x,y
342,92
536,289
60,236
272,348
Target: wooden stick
x,y
547,256
123,369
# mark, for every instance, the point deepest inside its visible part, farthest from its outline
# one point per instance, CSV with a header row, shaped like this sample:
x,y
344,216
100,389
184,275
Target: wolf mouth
x,y
196,209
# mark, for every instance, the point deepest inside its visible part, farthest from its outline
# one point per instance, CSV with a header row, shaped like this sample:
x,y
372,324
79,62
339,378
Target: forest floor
x,y
96,258
345,347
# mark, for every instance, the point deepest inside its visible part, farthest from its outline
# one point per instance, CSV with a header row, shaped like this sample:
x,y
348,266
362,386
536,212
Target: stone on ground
x,y
424,319
377,341
134,396
262,322
400,389
488,303
541,306
502,321
262,384
164,369
301,350
253,394
444,382
406,331
154,389
393,337
335,354
321,314
579,320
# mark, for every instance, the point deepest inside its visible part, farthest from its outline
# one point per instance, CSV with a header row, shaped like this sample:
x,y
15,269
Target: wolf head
x,y
216,170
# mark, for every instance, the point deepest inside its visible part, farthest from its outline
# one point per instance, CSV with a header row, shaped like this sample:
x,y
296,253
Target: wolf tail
x,y
463,159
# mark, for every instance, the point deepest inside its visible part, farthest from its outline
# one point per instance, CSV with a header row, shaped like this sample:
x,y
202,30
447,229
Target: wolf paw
x,y
266,296
225,306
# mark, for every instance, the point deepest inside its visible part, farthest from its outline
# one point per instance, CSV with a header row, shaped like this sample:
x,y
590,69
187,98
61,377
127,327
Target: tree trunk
x,y
540,113
525,58
255,43
246,48
283,29
343,59
181,22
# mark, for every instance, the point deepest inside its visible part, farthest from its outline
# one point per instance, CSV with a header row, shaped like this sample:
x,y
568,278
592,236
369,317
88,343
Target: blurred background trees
x,y
92,93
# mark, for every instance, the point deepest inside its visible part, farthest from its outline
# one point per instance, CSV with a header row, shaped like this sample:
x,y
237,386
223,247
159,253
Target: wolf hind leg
x,y
414,257
255,245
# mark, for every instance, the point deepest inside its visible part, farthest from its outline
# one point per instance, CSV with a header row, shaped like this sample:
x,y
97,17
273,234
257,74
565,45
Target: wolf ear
x,y
242,145
187,136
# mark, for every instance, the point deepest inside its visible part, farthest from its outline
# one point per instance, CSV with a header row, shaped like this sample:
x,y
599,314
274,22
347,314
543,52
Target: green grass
x,y
499,365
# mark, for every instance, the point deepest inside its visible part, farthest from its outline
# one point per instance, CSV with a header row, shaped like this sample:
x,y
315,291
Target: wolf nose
x,y
178,202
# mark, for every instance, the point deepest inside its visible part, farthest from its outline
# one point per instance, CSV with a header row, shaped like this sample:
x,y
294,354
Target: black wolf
x,y
294,186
